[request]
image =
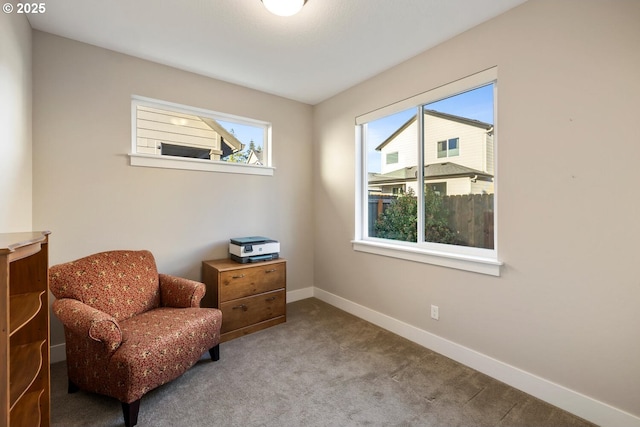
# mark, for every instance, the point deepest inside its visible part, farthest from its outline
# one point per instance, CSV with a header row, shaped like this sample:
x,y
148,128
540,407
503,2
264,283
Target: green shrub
x,y
399,220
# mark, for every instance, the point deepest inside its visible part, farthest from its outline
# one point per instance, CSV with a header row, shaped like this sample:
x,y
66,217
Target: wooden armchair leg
x,y
214,352
72,388
130,412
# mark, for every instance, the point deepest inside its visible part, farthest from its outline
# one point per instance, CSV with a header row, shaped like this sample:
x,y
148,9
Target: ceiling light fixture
x,y
284,7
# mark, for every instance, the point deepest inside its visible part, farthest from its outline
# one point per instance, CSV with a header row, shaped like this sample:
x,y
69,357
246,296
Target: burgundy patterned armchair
x,y
127,328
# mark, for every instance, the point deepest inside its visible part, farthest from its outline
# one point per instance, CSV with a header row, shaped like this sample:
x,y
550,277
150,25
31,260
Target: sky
x,y
475,104
245,133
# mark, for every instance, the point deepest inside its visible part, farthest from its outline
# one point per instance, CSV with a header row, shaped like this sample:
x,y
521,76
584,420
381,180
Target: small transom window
x,y
193,138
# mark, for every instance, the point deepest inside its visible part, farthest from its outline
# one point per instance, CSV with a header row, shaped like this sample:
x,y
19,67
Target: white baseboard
x,y
57,353
299,294
576,403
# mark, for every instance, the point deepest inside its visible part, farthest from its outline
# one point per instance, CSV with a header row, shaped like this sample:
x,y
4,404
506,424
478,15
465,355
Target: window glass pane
x,y
391,187
163,131
453,147
392,158
463,215
437,204
252,139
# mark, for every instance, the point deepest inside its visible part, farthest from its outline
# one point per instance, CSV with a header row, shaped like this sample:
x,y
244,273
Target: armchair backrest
x,y
120,283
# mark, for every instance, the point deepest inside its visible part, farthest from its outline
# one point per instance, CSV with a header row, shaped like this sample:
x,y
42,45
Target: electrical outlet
x,y
435,312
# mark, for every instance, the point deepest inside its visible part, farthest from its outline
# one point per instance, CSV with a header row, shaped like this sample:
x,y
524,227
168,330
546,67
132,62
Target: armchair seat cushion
x,y
159,345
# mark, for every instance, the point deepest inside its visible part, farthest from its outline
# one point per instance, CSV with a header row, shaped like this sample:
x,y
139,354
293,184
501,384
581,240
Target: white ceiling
x,y
328,47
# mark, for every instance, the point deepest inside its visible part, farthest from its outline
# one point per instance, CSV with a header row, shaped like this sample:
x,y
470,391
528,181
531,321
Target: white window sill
x,y
185,163
458,261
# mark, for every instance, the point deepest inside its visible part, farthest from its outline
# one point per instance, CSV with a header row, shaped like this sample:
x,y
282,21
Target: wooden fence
x,y
377,205
470,217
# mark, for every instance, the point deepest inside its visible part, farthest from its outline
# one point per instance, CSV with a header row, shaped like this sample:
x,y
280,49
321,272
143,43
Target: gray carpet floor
x,y
323,367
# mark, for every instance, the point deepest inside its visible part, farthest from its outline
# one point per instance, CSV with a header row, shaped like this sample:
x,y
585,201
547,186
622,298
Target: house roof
x,y
431,171
227,137
433,113
255,157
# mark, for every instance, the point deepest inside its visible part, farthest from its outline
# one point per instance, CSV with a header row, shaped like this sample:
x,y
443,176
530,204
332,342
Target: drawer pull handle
x,y
273,270
240,276
242,306
271,299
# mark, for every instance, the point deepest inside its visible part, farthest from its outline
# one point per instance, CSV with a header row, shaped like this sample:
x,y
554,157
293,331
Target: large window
x,y
437,204
177,136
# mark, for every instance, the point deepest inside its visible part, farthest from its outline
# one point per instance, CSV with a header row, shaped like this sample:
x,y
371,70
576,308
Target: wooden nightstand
x,y
251,296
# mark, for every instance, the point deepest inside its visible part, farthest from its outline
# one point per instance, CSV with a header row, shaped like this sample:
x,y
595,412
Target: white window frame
x,y
477,260
447,148
444,152
185,163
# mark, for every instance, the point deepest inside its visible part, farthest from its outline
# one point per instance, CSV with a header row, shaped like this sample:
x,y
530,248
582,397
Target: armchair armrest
x,y
84,320
179,292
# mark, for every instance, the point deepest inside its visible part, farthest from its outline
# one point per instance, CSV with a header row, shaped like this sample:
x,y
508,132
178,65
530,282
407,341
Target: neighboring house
x,y
458,157
185,135
255,157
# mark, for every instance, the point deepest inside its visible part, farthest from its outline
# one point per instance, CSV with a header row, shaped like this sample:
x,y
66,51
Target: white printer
x,y
253,249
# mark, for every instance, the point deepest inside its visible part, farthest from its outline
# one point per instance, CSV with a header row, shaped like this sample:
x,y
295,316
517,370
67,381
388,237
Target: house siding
x,y
471,142
155,127
474,150
405,145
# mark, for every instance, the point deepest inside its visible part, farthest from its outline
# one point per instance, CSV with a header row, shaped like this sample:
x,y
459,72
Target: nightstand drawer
x,y
251,280
243,312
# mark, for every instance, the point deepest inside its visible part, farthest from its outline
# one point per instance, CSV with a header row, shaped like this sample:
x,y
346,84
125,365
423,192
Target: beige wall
x,y
15,123
86,193
566,307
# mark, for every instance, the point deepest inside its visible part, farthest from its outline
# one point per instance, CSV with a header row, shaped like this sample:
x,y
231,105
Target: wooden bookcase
x,y
24,329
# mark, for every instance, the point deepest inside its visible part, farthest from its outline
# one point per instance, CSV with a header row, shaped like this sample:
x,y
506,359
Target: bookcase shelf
x,y
23,374
24,330
27,412
23,308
